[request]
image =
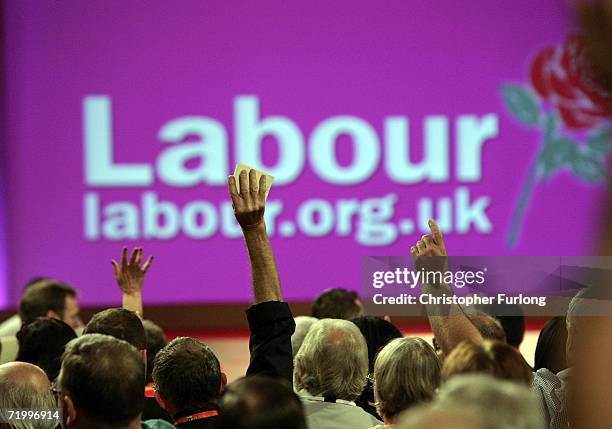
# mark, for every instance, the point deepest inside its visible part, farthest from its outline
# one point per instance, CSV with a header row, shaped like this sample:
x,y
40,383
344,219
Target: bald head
x,y
26,387
25,375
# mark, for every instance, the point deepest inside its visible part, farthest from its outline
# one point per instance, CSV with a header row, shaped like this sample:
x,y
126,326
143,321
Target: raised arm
x,y
249,205
130,278
449,324
270,320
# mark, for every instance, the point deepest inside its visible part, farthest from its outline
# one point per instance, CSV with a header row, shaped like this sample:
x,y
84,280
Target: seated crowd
x,y
334,369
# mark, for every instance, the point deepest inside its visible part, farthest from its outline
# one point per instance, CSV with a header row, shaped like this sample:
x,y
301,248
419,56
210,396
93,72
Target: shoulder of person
x,y
156,424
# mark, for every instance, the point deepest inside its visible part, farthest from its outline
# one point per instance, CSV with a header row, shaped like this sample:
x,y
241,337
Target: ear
x,y
223,382
68,412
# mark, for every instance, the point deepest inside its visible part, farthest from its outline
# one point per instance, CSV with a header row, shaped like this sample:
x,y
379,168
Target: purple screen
x,y
123,120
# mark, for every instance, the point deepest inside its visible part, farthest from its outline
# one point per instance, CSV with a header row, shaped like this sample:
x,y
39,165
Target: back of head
x,y
407,372
187,373
501,404
550,349
24,386
489,357
43,296
302,326
512,319
336,303
428,416
261,402
377,333
119,323
42,343
489,327
333,361
104,377
156,340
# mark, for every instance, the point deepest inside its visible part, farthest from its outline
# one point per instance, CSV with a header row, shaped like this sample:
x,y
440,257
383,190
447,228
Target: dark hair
x,y
512,319
377,332
261,402
336,303
43,296
156,340
42,343
119,323
104,376
489,327
187,373
550,350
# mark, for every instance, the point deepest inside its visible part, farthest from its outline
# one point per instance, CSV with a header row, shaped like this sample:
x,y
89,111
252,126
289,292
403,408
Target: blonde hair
x,y
490,357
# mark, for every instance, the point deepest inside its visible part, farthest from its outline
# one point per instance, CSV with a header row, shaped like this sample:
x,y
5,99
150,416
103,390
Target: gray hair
x,y
19,395
333,360
500,404
302,326
406,372
428,416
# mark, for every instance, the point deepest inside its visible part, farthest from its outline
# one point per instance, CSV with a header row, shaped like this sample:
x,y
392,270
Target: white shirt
x,y
340,414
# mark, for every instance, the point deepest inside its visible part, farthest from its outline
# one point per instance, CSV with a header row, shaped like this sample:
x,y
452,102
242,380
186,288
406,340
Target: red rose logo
x,y
560,74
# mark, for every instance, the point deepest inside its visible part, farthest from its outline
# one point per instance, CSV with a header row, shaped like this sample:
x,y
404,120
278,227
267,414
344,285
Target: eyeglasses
x,y
370,378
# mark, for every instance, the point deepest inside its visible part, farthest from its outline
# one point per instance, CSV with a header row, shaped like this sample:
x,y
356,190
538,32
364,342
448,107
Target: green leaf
x,y
601,142
522,103
589,167
557,153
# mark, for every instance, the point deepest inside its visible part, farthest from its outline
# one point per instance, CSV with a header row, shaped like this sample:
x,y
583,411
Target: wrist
x,y
258,229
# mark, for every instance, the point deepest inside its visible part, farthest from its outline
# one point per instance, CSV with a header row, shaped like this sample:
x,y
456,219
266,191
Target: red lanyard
x,y
198,416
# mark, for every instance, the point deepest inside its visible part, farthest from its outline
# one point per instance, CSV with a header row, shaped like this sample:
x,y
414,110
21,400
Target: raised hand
x,y
429,253
249,204
130,274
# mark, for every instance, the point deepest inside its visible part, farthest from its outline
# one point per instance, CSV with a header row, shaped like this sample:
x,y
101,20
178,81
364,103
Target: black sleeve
x,y
271,325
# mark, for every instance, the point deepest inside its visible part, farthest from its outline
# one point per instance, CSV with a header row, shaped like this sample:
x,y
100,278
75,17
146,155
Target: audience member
x,y
331,371
270,320
42,343
50,298
431,417
119,323
500,404
188,382
261,402
512,319
489,327
11,326
550,350
377,333
337,303
101,384
406,373
24,386
490,357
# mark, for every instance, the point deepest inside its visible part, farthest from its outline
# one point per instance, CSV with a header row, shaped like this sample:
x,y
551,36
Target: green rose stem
x,y
532,179
524,199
